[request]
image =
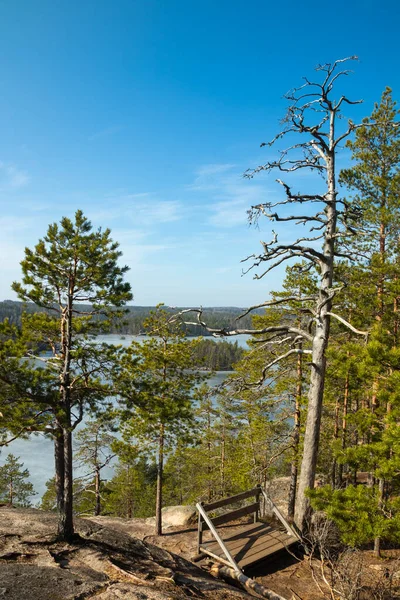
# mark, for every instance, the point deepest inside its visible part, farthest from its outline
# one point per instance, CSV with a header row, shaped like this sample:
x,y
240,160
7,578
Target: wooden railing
x,y
205,522
290,528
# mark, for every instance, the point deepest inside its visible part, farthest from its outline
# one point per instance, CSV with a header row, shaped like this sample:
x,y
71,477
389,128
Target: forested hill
x,y
218,317
217,356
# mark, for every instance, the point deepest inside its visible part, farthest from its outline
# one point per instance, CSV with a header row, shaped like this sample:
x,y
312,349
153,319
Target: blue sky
x,y
145,114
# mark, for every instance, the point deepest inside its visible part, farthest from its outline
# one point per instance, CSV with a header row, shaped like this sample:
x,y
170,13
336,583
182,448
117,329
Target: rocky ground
x,y
360,576
122,559
104,563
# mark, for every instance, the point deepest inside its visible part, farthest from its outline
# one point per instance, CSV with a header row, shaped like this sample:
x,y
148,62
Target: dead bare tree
x,y
315,117
313,114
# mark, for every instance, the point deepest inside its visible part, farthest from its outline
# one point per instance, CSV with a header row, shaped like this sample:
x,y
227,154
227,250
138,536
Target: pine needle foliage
x,y
73,272
15,488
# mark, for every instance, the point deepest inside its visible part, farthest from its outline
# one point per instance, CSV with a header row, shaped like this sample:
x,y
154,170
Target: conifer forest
x,y
314,397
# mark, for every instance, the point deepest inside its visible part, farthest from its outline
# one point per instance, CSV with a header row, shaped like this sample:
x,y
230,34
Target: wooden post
x,y
199,532
211,527
291,528
257,512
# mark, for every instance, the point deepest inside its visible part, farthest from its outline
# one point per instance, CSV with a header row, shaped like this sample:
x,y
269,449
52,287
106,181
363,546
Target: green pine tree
x,y
375,180
157,385
131,492
73,273
15,487
94,453
370,372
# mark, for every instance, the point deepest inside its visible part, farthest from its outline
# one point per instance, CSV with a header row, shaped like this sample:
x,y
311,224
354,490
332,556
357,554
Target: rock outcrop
x,y
176,516
101,563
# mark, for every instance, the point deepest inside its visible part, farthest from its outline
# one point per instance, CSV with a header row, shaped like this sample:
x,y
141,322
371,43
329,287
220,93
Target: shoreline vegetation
x,y
218,317
209,355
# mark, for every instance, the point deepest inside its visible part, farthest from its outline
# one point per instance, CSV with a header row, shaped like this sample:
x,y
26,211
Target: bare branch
x,y
277,360
348,325
275,303
284,329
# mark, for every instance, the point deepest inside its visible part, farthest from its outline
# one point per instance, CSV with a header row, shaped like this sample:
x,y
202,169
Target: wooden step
x,y
251,543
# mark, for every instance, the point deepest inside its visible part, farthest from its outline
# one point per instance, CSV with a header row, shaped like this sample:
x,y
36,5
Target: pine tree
x,y
227,427
70,266
375,179
83,497
48,501
130,493
157,385
15,489
271,399
371,371
192,468
94,452
203,456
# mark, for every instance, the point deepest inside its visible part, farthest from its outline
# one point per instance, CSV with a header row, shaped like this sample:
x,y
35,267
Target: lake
x,y
37,452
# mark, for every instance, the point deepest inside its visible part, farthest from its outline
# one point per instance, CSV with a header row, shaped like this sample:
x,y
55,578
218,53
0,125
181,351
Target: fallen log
x,y
197,557
249,584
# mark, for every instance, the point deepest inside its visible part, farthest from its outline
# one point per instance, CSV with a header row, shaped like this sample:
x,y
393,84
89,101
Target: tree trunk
x,y
344,425
384,490
59,469
382,253
296,440
313,423
65,523
222,467
130,502
377,540
209,467
160,467
249,584
97,508
320,343
395,311
334,473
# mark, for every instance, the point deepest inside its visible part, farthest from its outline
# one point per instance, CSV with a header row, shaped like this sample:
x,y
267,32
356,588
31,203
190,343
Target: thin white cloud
x,y
138,245
144,209
208,176
228,196
13,225
229,214
136,254
105,132
158,211
213,169
12,177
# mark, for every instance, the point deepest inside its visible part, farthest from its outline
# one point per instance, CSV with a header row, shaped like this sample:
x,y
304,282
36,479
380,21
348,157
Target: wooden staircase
x,y
246,544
